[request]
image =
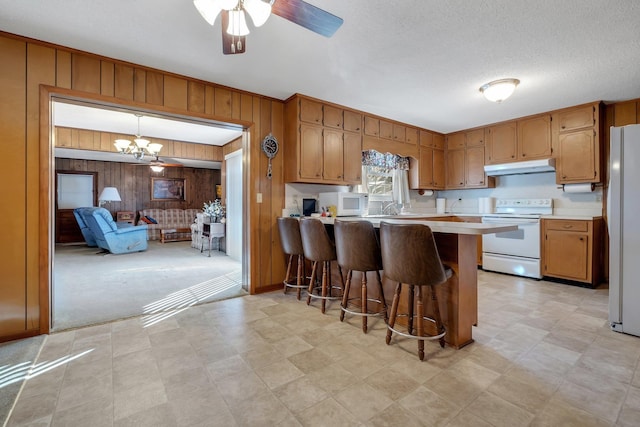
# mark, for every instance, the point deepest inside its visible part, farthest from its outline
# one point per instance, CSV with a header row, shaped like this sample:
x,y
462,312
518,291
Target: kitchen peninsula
x,y
456,242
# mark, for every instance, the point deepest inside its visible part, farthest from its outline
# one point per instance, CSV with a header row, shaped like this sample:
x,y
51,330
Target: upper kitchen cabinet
x,y
352,121
576,136
332,117
310,111
317,149
455,141
501,145
534,138
411,136
474,138
427,172
392,137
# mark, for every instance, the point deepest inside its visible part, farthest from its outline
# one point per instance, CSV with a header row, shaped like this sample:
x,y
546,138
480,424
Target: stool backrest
x,y
290,238
315,241
357,245
410,255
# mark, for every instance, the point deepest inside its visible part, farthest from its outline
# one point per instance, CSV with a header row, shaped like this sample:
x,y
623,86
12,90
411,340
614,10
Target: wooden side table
x,y
126,216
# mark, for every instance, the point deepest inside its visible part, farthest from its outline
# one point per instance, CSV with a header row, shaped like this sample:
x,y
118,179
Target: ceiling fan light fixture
x,y
258,10
210,9
499,90
157,168
237,23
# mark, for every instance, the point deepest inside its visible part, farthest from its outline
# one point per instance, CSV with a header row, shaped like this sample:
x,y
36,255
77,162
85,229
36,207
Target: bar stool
x,y
358,249
291,241
319,249
410,256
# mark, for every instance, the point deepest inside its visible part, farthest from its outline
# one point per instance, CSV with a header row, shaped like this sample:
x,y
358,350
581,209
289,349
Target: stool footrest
x,y
351,308
416,337
319,296
292,284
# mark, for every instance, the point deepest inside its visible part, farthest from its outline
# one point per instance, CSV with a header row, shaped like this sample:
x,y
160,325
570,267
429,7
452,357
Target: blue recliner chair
x,y
84,228
117,238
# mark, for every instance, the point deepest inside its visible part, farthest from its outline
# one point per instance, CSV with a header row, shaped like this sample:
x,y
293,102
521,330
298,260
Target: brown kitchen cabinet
x,y
455,169
572,249
317,153
579,147
474,176
352,121
428,171
411,136
501,145
455,141
534,138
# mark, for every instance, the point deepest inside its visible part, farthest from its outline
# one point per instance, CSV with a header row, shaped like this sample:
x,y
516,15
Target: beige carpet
x,y
91,288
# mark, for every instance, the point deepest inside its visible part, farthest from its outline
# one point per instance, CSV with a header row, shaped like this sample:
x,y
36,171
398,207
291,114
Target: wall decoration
x,y
168,189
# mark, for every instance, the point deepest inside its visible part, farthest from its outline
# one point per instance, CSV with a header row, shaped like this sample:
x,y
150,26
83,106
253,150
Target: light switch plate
x,y
259,198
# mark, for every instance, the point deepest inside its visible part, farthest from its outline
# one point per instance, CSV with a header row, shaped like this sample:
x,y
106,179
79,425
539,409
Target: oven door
x,y
523,242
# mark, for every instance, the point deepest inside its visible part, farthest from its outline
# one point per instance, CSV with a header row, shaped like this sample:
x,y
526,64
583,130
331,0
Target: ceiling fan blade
x,y
307,16
231,45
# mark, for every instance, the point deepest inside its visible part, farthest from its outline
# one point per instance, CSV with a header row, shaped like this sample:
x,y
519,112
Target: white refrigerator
x,y
623,214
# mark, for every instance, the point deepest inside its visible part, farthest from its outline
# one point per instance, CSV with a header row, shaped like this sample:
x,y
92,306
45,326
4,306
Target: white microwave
x,y
347,204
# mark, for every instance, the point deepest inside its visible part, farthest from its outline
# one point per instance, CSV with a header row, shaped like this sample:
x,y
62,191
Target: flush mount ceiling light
x,y
499,90
139,147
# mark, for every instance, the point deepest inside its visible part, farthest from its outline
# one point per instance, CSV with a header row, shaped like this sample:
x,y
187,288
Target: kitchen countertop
x,y
436,226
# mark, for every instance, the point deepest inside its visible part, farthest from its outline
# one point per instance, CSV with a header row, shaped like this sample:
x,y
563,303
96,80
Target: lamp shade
x,y
499,90
109,194
258,10
237,23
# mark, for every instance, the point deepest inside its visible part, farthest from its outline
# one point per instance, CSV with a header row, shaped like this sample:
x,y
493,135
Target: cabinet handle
x,y
568,226
564,176
524,155
512,156
582,239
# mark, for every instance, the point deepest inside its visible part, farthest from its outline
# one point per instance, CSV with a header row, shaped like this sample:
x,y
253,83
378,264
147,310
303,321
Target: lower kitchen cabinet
x,y
572,249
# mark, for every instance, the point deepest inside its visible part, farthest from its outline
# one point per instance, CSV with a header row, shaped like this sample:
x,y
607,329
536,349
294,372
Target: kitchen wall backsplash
x,y
531,186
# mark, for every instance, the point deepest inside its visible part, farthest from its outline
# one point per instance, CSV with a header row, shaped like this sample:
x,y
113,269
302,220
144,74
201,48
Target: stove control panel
x,y
530,206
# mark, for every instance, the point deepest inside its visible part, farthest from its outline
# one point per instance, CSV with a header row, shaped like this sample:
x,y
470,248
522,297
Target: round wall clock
x,y
270,148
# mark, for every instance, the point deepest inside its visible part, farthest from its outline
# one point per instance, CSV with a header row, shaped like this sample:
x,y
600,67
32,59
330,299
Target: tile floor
x,y
543,356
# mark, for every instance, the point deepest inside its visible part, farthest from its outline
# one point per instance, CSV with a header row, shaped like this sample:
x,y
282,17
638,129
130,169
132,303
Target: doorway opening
x,y
167,276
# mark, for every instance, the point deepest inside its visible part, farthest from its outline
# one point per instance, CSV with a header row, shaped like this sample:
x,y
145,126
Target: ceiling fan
x,y
234,25
158,165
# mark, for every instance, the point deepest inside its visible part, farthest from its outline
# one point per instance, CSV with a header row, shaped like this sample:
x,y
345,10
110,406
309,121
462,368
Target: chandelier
x,y
139,146
258,10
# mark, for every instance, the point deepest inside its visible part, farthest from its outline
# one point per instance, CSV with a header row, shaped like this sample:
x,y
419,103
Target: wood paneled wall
x,y
31,73
134,183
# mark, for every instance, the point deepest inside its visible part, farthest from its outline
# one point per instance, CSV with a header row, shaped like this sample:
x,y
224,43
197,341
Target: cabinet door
x,y
425,177
371,126
534,138
411,136
438,141
399,133
576,118
566,255
352,121
333,155
474,165
352,157
576,157
501,143
438,169
475,138
386,129
426,139
332,117
310,111
311,152
455,169
455,141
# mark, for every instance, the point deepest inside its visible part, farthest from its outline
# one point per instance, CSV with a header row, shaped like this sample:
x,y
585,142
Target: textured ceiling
x,y
416,61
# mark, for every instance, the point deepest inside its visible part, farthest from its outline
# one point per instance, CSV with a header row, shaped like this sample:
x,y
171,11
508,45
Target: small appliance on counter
x,y
308,206
346,204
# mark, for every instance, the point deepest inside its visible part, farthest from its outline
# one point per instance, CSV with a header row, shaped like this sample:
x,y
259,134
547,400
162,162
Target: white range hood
x,y
518,168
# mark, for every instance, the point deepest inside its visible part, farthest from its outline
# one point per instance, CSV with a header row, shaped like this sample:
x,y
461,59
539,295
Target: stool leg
x,y
286,277
312,281
299,281
419,321
394,310
410,310
345,294
326,281
436,315
363,296
384,303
